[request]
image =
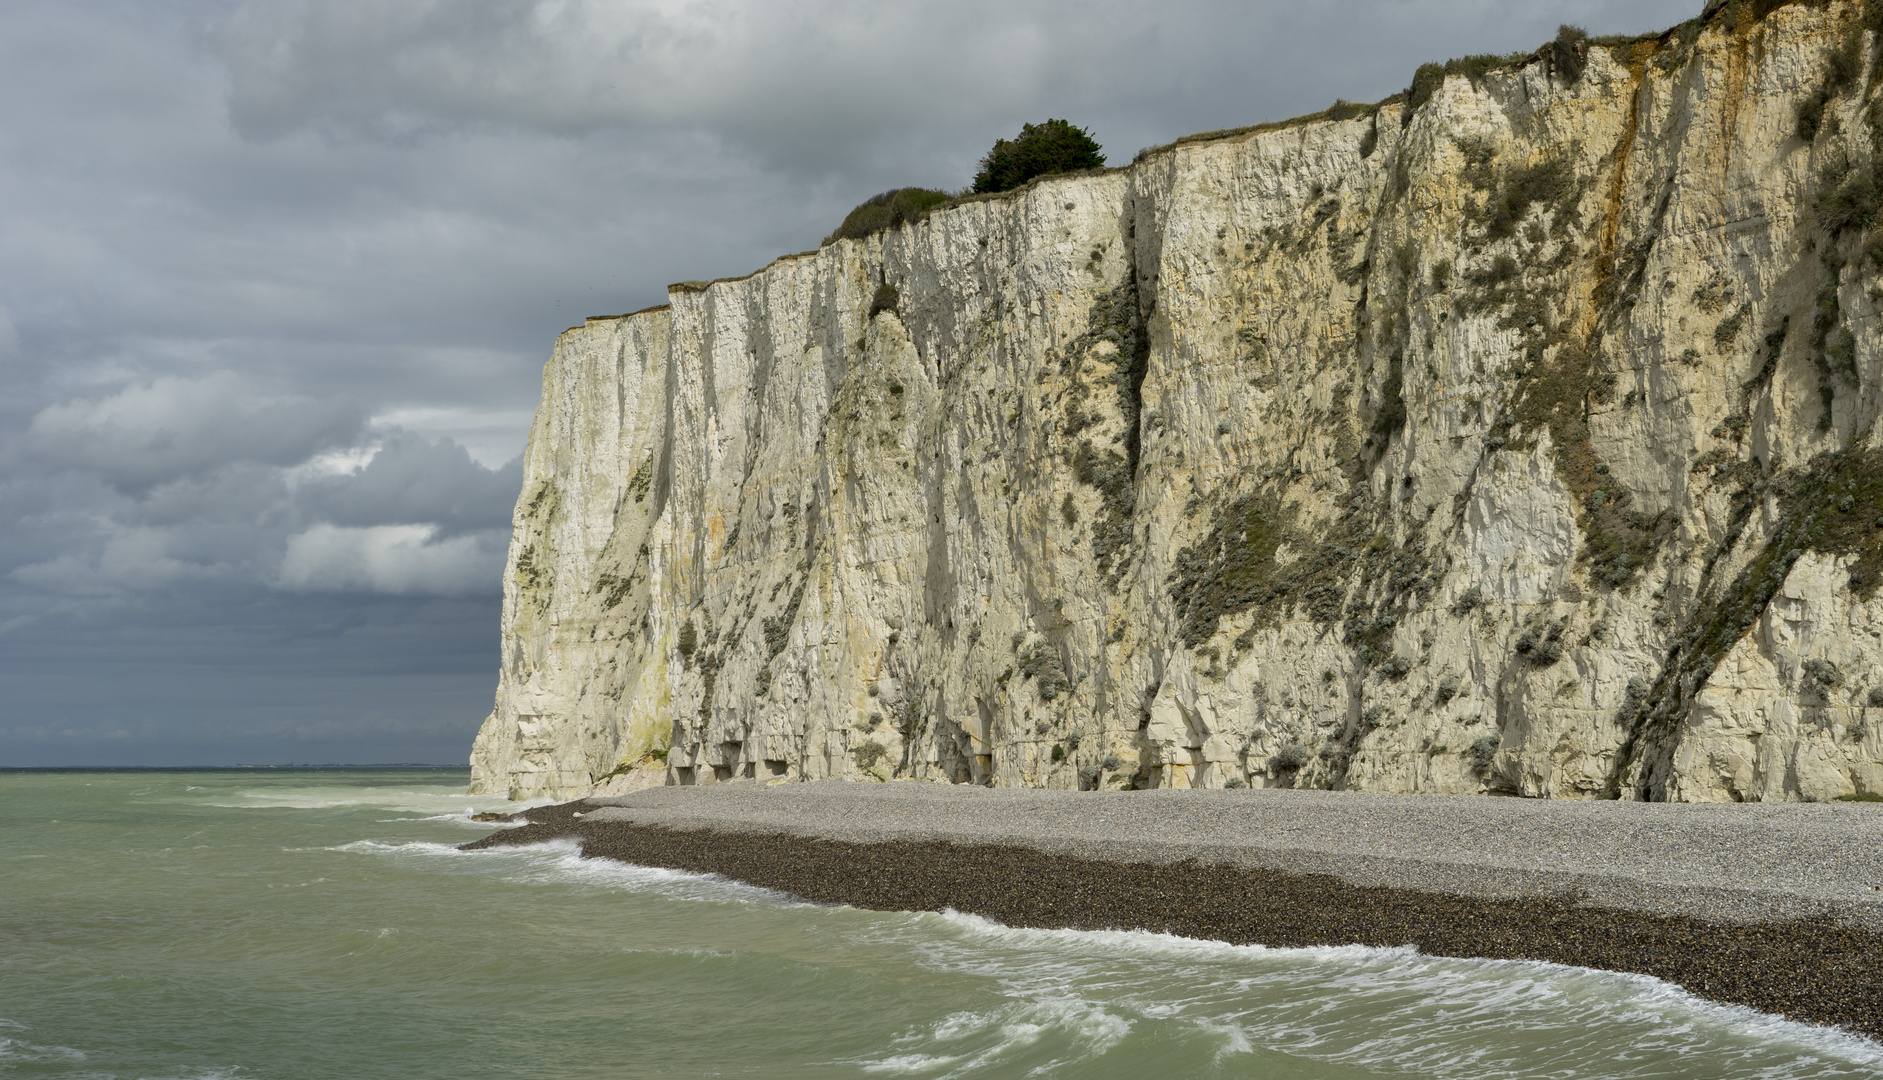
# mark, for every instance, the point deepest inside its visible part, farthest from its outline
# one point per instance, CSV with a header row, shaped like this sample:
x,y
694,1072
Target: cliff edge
x,y
1516,437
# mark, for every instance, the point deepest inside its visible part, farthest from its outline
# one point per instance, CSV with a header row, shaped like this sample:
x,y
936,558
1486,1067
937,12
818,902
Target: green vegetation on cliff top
x,y
1039,150
1056,147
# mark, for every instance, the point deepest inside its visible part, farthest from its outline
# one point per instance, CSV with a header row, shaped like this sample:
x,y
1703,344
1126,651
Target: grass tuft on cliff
x,y
1567,55
1429,77
1039,150
890,210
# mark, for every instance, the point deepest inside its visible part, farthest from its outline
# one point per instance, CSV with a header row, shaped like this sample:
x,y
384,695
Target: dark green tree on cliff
x,y
1040,149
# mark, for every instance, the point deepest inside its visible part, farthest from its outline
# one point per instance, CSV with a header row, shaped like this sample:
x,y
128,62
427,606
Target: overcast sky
x,y
277,281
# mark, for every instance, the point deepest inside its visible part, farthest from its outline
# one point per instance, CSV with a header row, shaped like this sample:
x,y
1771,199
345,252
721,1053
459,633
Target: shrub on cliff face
x,y
1448,689
1823,673
1569,52
689,639
1043,662
1227,571
1391,416
1483,751
886,299
1811,115
1849,199
892,209
868,755
1550,182
1039,150
1843,71
1290,759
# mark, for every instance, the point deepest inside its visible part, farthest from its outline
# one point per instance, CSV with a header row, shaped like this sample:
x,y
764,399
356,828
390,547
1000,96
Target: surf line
x,y
1817,972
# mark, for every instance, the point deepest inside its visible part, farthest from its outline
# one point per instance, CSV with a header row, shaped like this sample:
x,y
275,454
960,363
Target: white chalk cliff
x,y
1520,439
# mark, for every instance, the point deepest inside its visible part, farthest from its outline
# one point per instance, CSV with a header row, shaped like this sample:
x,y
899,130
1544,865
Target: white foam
x,y
1151,944
17,1052
1433,1010
461,817
1234,1039
905,1064
560,862
1089,1030
445,801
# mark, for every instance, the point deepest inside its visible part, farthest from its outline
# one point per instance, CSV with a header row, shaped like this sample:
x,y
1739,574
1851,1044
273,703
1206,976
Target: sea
x,y
297,924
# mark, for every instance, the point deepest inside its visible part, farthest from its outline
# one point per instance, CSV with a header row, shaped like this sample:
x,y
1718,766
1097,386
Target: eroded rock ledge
x,y
1520,439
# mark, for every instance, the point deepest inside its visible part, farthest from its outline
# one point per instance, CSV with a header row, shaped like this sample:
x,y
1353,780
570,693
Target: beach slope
x,y
1777,907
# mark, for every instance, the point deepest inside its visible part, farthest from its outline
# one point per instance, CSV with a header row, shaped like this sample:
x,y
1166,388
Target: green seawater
x,y
290,925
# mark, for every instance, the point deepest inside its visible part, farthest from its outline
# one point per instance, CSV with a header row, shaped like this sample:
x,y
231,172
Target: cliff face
x,y
1518,440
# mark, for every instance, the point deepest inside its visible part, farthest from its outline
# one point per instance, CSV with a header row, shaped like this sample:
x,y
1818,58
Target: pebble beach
x,y
1774,906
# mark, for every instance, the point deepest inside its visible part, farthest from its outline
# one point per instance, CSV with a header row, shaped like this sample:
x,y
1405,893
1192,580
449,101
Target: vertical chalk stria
x,y
1515,437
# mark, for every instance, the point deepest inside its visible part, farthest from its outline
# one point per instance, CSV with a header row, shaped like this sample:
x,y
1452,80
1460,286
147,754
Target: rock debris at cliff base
x,y
1817,970
1516,437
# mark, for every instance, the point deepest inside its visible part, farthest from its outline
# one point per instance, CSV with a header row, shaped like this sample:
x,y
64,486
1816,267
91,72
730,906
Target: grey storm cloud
x,y
278,278
822,84
417,516
154,432
412,480
790,77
